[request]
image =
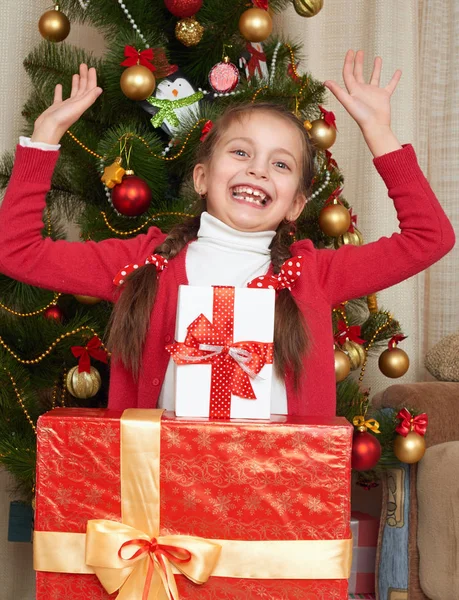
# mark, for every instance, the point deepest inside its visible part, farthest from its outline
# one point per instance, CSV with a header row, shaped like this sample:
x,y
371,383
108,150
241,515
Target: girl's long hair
x,y
130,318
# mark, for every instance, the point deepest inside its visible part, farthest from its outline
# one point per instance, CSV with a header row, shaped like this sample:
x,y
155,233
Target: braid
x,y
291,338
130,319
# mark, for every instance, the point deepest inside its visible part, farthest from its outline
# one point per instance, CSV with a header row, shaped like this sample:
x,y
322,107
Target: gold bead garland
x,y
20,400
35,361
140,227
33,313
390,318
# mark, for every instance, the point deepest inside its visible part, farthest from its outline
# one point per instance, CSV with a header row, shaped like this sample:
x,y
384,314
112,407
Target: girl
x,y
253,173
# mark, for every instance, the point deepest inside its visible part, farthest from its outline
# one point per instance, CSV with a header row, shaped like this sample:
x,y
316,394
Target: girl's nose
x,y
257,170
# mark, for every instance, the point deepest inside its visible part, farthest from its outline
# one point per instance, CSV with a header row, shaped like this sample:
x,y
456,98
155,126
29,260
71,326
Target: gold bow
x,y
151,567
359,421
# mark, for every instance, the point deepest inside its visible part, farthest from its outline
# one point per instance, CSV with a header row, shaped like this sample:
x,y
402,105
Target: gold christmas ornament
x,y
137,82
409,449
334,220
322,135
255,24
372,303
394,363
356,353
113,174
308,8
53,25
88,300
189,31
353,238
342,365
83,385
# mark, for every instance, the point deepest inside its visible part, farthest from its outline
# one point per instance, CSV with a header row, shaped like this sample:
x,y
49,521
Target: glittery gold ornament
x,y
334,219
409,449
356,354
322,134
53,25
342,365
189,31
308,8
137,82
88,300
394,363
353,238
83,385
113,174
255,24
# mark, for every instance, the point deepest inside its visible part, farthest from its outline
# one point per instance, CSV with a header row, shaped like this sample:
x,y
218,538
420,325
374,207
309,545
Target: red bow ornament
x,y
334,196
233,363
348,333
84,353
145,58
394,340
409,423
205,130
330,161
329,117
263,4
154,259
290,271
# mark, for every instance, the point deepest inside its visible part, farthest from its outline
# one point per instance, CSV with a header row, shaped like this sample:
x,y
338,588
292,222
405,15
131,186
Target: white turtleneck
x,y
225,256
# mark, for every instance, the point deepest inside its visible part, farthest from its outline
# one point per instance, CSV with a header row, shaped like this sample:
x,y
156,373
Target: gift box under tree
x,y
244,509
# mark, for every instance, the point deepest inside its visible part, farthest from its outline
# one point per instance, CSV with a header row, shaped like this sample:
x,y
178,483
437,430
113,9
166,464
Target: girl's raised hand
x,y
367,103
62,114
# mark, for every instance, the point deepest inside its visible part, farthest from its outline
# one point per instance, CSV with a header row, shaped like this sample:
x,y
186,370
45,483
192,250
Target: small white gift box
x,y
231,331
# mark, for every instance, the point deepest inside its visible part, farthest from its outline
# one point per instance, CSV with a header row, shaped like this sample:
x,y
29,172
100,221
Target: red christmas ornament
x,y
366,451
132,196
53,312
224,76
183,8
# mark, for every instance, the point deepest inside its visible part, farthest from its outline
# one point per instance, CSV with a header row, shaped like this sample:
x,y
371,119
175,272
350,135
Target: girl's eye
x,y
240,152
281,164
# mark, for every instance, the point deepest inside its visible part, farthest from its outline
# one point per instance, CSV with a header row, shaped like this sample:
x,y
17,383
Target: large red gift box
x,y
267,492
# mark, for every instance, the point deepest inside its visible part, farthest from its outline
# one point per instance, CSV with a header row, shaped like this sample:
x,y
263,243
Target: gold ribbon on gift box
x,y
131,556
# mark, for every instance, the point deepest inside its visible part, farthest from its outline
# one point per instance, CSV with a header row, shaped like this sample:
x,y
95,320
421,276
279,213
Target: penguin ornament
x,y
174,101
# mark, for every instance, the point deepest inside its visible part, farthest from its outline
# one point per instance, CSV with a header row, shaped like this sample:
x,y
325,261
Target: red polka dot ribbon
x,y
233,363
285,279
154,259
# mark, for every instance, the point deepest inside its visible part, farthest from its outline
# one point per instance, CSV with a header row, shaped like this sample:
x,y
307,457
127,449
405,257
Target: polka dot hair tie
x,y
290,271
154,259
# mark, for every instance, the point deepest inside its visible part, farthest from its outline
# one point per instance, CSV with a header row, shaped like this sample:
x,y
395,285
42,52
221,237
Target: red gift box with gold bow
x,y
144,505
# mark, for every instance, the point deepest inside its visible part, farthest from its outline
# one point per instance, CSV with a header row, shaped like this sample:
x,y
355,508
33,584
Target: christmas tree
x,y
170,68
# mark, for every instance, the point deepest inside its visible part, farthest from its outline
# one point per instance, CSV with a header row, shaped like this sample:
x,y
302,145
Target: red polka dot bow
x,y
290,271
154,259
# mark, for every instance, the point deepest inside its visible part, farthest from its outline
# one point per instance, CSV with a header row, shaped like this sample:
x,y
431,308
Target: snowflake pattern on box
x,y
295,488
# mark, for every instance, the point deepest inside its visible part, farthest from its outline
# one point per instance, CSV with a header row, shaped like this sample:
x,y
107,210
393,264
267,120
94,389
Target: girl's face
x,y
252,179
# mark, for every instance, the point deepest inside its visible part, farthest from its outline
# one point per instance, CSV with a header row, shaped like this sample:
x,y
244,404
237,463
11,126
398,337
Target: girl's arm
x,y
85,268
426,235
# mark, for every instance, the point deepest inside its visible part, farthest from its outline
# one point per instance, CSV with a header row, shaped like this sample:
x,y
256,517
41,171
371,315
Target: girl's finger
x,y
348,75
376,75
358,67
337,91
58,93
92,78
75,85
83,79
390,87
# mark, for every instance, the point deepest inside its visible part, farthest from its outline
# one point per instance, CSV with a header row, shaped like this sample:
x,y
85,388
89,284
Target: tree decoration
x,y
366,449
205,130
54,313
87,300
255,24
308,8
253,61
394,362
189,31
83,381
322,132
342,365
137,81
351,343
224,76
53,25
334,218
356,353
114,173
183,8
410,445
132,197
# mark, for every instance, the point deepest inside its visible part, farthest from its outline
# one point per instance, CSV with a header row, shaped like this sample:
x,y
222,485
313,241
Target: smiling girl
x,y
253,173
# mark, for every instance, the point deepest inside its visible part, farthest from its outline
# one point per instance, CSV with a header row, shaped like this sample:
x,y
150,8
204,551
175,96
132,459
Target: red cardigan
x,y
329,276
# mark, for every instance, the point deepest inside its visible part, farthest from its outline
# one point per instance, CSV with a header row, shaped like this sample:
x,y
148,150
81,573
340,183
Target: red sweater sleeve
x,y
426,236
84,268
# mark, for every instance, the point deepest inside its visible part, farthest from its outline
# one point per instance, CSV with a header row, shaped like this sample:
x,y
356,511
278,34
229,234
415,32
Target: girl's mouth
x,y
246,193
